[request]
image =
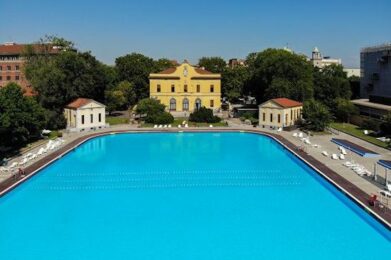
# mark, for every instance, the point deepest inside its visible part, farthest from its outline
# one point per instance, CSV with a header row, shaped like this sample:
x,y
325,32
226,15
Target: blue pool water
x,y
184,196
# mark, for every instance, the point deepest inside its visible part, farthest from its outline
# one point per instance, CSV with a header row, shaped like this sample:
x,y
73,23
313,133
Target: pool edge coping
x,y
37,166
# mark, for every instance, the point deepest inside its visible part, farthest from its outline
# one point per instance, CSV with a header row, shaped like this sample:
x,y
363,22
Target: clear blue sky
x,y
190,29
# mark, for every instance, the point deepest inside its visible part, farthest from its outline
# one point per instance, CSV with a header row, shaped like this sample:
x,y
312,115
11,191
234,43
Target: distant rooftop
x,y
382,47
12,48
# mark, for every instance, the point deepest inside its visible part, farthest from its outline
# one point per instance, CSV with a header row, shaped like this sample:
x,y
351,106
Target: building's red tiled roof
x,y
17,49
202,71
286,102
79,102
168,71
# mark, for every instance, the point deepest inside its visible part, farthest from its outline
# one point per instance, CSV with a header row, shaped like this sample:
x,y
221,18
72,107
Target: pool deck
x,y
354,186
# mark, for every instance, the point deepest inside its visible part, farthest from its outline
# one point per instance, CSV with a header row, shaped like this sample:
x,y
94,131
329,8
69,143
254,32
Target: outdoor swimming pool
x,y
184,196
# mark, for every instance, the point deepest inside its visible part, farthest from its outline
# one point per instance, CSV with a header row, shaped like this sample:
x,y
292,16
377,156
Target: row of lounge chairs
x,y
305,140
50,146
334,156
179,126
359,169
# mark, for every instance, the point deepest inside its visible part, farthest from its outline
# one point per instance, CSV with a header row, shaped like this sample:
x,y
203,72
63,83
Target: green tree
x,y
233,82
120,97
162,64
128,91
204,115
213,64
136,68
148,106
115,100
21,118
279,73
331,83
354,82
317,116
153,111
345,109
60,78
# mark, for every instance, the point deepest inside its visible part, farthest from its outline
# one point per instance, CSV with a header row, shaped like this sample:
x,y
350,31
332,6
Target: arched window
x,y
198,104
185,104
172,104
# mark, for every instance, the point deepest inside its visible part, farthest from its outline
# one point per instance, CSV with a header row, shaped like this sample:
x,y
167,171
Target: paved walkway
x,y
358,186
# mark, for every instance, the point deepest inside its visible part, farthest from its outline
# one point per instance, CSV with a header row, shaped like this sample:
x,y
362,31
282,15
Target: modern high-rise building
x,y
376,73
375,85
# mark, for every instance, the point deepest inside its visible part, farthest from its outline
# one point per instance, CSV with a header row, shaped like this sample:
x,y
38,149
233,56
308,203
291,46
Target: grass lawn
x,y
357,132
115,120
178,121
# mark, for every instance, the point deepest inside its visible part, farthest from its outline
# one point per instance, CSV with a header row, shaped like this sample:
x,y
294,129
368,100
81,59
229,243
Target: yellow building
x,y
186,88
279,113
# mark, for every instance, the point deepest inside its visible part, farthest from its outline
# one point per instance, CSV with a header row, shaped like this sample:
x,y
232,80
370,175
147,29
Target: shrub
x,y
204,115
56,120
149,107
160,118
385,126
247,115
370,124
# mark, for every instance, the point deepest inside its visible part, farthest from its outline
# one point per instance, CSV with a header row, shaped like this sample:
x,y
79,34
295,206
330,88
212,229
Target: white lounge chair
x,y
325,153
343,151
211,126
342,157
279,129
366,132
13,165
49,143
307,141
160,126
300,135
334,156
186,125
294,134
165,126
41,151
169,126
27,155
368,173
386,191
155,126
4,170
179,126
348,164
23,162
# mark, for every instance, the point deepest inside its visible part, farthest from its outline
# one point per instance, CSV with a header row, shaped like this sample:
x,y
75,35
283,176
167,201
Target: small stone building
x,y
279,112
85,114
